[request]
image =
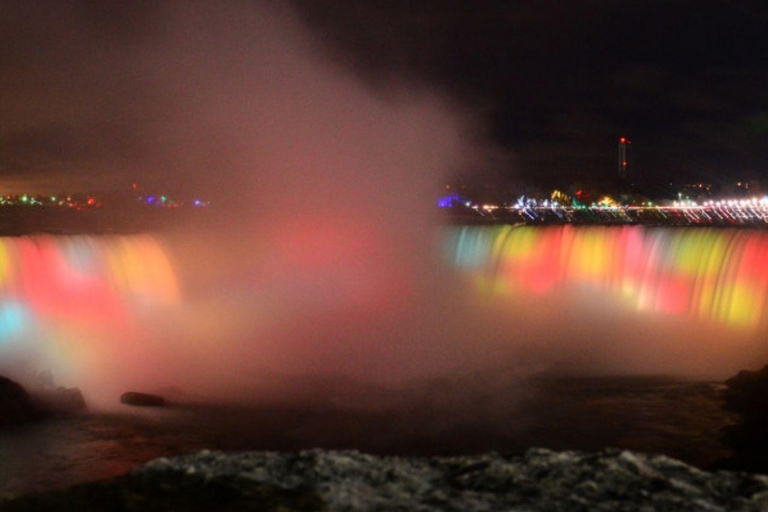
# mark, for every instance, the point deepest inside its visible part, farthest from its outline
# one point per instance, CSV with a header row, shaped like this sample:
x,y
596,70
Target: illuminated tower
x,y
623,143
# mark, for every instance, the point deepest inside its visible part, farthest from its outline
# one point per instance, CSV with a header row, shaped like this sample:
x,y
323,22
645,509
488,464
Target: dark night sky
x,y
560,81
555,82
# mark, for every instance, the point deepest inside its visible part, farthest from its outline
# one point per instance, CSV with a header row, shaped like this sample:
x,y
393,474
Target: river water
x,y
676,417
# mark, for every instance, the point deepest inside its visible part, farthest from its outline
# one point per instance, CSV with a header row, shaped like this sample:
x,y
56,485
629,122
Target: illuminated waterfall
x,y
51,285
706,273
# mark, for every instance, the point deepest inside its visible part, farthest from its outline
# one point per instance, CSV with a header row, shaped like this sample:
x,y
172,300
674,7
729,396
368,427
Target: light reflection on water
x,y
68,450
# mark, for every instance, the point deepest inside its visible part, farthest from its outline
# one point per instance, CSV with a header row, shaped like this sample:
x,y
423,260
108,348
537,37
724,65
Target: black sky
x,y
555,82
560,81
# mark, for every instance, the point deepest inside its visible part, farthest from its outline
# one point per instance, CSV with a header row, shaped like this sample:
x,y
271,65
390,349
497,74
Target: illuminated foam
x,y
712,274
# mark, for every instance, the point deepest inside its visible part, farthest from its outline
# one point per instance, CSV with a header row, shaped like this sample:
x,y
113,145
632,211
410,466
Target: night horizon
x,y
549,88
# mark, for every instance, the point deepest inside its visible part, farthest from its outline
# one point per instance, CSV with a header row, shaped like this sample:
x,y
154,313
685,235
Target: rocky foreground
x,y
350,481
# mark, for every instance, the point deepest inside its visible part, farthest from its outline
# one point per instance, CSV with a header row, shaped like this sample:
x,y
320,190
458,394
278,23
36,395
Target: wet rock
x,y
541,480
142,399
747,395
16,406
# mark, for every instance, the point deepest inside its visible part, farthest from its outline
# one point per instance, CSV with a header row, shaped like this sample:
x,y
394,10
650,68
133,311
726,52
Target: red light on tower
x,y
623,162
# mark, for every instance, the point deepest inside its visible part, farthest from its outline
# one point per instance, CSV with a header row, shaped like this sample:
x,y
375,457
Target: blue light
x,y
447,201
12,319
151,199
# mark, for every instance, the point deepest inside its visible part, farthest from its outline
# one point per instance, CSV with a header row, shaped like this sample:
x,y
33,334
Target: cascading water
x,y
107,312
709,274
618,299
66,300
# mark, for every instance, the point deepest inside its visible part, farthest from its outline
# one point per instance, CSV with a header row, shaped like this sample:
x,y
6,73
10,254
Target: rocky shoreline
x,y
351,481
18,406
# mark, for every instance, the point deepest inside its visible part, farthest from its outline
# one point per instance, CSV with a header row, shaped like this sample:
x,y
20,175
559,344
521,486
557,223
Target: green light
x,y
53,198
24,198
163,198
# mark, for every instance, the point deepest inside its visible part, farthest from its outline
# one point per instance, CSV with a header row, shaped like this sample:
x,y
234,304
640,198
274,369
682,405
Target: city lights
x,y
560,208
93,201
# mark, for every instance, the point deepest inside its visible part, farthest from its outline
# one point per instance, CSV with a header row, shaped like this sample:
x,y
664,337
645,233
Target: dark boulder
x,y
142,399
747,395
16,406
